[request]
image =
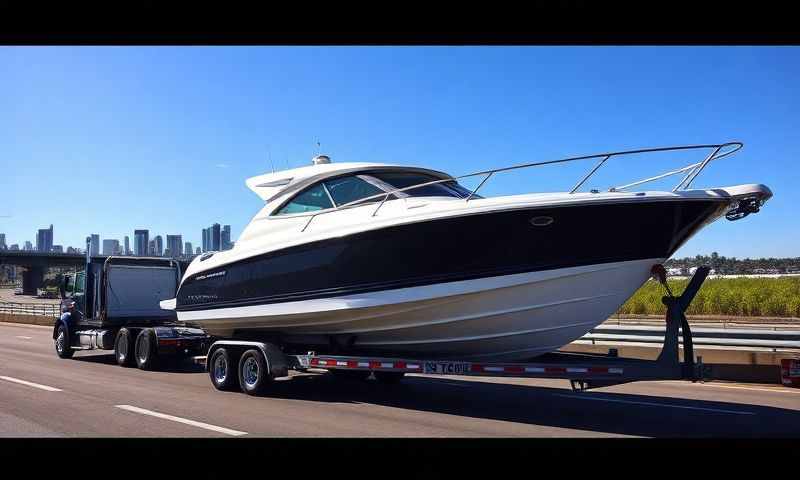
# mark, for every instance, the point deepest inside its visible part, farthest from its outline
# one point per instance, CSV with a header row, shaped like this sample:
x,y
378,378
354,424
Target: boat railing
x,y
692,171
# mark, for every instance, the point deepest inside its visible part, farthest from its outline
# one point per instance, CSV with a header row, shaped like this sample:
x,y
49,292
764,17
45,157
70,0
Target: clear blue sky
x,y
109,139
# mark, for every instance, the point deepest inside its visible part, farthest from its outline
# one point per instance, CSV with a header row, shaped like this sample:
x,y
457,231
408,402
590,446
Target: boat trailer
x,y
583,370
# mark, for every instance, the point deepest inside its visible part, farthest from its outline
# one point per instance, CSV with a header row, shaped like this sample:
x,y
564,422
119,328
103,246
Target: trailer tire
x,y
254,373
62,342
389,377
124,348
221,370
146,350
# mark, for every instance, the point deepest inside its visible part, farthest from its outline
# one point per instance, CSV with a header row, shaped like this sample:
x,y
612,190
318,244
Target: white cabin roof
x,y
268,185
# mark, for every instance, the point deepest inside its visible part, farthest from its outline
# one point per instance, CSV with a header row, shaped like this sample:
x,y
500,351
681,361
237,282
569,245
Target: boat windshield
x,y
408,179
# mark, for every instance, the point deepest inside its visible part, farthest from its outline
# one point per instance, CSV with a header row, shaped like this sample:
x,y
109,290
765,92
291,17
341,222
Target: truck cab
x,y
113,303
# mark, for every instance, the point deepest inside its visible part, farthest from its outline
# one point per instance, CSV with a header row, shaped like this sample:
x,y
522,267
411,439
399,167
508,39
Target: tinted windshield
x,y
349,189
407,179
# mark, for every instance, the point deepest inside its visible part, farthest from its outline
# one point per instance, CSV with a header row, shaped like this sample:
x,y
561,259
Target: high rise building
x,y
44,239
111,247
198,252
205,240
94,246
151,248
226,237
216,238
127,246
3,241
28,246
188,249
159,246
175,245
141,242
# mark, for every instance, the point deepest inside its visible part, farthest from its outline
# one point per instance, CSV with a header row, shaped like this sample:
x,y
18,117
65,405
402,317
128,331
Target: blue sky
x,y
109,139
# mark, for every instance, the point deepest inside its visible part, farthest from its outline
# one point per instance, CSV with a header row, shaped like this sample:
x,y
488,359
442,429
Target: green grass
x,y
747,297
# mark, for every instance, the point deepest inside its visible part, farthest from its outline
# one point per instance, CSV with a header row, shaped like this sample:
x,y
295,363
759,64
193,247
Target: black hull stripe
x,y
452,249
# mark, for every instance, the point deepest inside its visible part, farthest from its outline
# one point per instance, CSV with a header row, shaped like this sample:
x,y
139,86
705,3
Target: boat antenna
x,y
269,153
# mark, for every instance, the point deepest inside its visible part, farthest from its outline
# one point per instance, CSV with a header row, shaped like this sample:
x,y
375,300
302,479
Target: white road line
x,y
30,384
193,423
24,337
581,397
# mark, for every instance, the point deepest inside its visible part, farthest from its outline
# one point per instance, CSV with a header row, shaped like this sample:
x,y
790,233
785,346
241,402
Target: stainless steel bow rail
x,y
718,151
583,370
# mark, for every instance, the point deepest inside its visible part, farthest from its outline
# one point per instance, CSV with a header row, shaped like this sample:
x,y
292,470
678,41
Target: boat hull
x,y
507,318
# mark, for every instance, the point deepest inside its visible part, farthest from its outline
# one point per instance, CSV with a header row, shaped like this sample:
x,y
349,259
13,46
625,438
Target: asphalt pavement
x,y
90,396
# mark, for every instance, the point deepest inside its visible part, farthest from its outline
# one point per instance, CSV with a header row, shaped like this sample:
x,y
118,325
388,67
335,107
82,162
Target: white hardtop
x,y
268,185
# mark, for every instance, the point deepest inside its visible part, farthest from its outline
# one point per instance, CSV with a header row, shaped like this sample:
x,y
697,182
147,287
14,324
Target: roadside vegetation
x,y
746,297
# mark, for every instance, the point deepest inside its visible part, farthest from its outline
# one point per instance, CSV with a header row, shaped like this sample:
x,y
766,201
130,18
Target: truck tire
x,y
124,348
221,370
62,342
389,377
254,374
146,353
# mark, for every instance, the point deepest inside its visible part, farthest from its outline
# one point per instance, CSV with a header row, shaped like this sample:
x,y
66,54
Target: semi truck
x,y
113,304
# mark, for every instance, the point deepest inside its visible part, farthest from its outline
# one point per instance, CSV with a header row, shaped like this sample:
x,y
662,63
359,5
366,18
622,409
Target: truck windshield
x,y
407,179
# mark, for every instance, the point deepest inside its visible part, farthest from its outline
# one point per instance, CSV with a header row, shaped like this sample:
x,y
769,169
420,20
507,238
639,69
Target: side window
x,y
79,283
351,188
312,198
69,288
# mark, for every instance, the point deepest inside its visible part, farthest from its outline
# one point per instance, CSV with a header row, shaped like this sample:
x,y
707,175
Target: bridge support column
x,y
32,279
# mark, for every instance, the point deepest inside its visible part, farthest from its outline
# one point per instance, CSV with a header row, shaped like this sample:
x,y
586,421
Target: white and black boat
x,y
393,260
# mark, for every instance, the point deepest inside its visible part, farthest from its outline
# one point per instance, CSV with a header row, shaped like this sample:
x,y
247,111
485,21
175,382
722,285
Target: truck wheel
x,y
221,370
146,354
124,348
254,374
62,342
389,377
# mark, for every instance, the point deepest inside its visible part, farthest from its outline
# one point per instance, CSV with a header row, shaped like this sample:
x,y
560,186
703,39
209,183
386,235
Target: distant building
x,y
72,250
187,249
44,239
94,245
174,245
206,246
159,246
28,246
197,251
14,247
151,248
3,241
127,246
226,237
216,237
111,246
58,249
141,242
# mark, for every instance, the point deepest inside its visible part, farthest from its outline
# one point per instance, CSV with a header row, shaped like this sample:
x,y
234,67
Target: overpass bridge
x,y
37,263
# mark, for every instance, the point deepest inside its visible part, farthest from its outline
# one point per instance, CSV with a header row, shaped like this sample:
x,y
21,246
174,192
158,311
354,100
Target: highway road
x,y
90,396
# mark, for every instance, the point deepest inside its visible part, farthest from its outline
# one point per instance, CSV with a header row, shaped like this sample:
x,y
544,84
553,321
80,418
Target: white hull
x,y
504,318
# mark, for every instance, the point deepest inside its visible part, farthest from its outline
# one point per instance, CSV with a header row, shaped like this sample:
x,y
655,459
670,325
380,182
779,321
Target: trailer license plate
x,y
452,368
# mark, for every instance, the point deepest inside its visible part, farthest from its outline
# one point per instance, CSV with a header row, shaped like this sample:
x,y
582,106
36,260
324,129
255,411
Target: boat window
x,y
309,200
407,179
351,188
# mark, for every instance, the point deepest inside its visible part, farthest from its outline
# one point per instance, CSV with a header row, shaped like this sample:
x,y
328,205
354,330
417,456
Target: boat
x,y
371,258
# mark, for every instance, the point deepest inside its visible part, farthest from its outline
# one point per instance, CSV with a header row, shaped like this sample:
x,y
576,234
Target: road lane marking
x,y
193,423
30,384
653,404
24,337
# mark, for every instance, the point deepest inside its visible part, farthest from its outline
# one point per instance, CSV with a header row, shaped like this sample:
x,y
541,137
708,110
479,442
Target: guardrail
x,y
39,309
761,338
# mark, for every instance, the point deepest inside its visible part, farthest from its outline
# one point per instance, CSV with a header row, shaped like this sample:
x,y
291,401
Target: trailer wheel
x,y
221,370
124,348
389,377
146,354
62,342
254,374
